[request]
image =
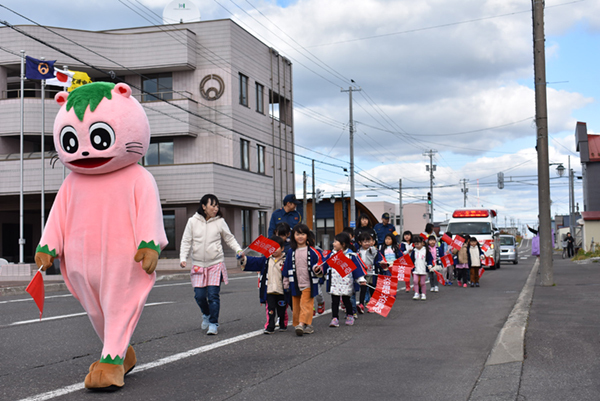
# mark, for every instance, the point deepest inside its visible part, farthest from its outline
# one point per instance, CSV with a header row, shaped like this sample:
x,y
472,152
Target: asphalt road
x,y
426,350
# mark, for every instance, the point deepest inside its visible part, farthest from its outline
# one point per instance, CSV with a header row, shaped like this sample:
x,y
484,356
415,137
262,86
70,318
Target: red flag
x,y
481,270
447,260
485,247
447,239
326,252
440,277
381,303
341,263
457,242
387,285
402,267
36,290
424,236
264,245
488,261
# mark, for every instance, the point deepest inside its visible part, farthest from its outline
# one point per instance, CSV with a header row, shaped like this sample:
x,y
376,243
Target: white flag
x,y
62,78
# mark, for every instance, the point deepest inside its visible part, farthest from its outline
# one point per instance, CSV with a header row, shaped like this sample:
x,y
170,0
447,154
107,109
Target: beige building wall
x,y
206,134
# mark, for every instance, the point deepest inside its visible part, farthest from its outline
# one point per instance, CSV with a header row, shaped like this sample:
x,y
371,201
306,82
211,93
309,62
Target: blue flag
x,y
38,69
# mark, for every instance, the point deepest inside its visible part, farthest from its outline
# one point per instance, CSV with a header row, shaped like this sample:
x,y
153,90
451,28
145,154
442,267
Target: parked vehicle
x,y
481,224
508,249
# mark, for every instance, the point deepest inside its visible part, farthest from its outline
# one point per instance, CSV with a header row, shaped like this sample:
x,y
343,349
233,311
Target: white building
x,y
416,215
219,103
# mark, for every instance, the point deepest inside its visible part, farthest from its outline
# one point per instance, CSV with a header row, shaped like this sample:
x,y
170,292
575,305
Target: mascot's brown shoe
x,y
105,376
128,363
130,360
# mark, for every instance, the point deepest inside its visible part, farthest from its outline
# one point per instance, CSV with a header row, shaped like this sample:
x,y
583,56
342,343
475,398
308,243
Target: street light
x,y
560,170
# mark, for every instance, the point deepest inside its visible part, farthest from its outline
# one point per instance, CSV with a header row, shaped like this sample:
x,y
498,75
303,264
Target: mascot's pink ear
x,y
122,89
61,98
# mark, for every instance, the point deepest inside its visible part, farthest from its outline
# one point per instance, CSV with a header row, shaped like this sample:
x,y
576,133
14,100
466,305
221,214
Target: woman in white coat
x,y
202,239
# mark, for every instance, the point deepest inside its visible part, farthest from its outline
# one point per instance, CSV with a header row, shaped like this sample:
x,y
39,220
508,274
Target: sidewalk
x,y
563,336
549,348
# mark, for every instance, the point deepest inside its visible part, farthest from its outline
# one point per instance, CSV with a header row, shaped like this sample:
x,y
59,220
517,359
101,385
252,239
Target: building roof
x,y
591,216
594,147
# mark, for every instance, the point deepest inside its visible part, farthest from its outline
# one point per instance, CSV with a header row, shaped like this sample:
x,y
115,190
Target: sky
x,y
452,76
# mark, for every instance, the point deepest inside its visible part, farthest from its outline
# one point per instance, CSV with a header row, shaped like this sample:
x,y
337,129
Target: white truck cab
x,y
481,224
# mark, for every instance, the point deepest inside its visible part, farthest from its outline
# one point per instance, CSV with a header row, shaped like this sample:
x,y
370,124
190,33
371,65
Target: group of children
x,y
295,274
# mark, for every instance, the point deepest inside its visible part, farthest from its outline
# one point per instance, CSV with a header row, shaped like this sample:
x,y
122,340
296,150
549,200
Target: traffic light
x,y
319,195
429,198
500,180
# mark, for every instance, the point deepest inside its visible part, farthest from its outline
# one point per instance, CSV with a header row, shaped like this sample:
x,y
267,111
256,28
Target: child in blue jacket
x,y
343,287
303,268
272,284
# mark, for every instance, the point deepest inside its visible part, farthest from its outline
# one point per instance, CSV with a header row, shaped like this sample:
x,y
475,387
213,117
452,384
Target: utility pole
x,y
431,169
314,203
541,122
464,190
304,201
400,202
571,199
351,126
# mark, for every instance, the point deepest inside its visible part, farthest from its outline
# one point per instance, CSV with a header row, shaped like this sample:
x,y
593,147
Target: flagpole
x,y
21,239
43,159
66,68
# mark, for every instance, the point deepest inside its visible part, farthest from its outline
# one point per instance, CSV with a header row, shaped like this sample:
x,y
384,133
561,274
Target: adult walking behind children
x,y
202,238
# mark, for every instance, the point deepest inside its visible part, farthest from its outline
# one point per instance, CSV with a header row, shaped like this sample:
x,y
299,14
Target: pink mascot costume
x,y
106,223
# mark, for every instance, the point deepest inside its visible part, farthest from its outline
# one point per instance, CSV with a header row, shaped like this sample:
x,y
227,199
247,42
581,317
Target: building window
x,y
280,108
261,159
13,90
243,90
169,222
245,153
157,86
159,152
325,232
262,224
260,98
246,228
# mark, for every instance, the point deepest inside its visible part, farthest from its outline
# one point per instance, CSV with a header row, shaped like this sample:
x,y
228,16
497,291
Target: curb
x,y
501,375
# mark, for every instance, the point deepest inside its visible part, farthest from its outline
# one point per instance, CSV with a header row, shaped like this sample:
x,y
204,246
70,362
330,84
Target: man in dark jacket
x,y
384,228
287,213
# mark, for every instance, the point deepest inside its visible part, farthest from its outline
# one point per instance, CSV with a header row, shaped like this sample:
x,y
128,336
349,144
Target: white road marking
x,y
160,362
71,315
31,299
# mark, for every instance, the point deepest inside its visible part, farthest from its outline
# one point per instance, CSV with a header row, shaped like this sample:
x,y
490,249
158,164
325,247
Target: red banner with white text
x,y
402,268
457,242
447,239
387,285
341,263
447,260
381,303
264,245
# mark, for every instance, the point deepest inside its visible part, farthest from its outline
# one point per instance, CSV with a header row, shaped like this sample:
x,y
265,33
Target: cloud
x,y
456,76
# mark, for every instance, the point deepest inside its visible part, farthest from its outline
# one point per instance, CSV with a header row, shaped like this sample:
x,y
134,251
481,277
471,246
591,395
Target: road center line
x,y
160,362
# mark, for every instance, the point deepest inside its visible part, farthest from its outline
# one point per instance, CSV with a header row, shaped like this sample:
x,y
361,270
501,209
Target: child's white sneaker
x,y
416,296
423,297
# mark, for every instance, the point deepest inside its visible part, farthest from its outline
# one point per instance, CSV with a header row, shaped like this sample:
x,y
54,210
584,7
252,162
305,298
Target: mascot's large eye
x,y
102,136
68,139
